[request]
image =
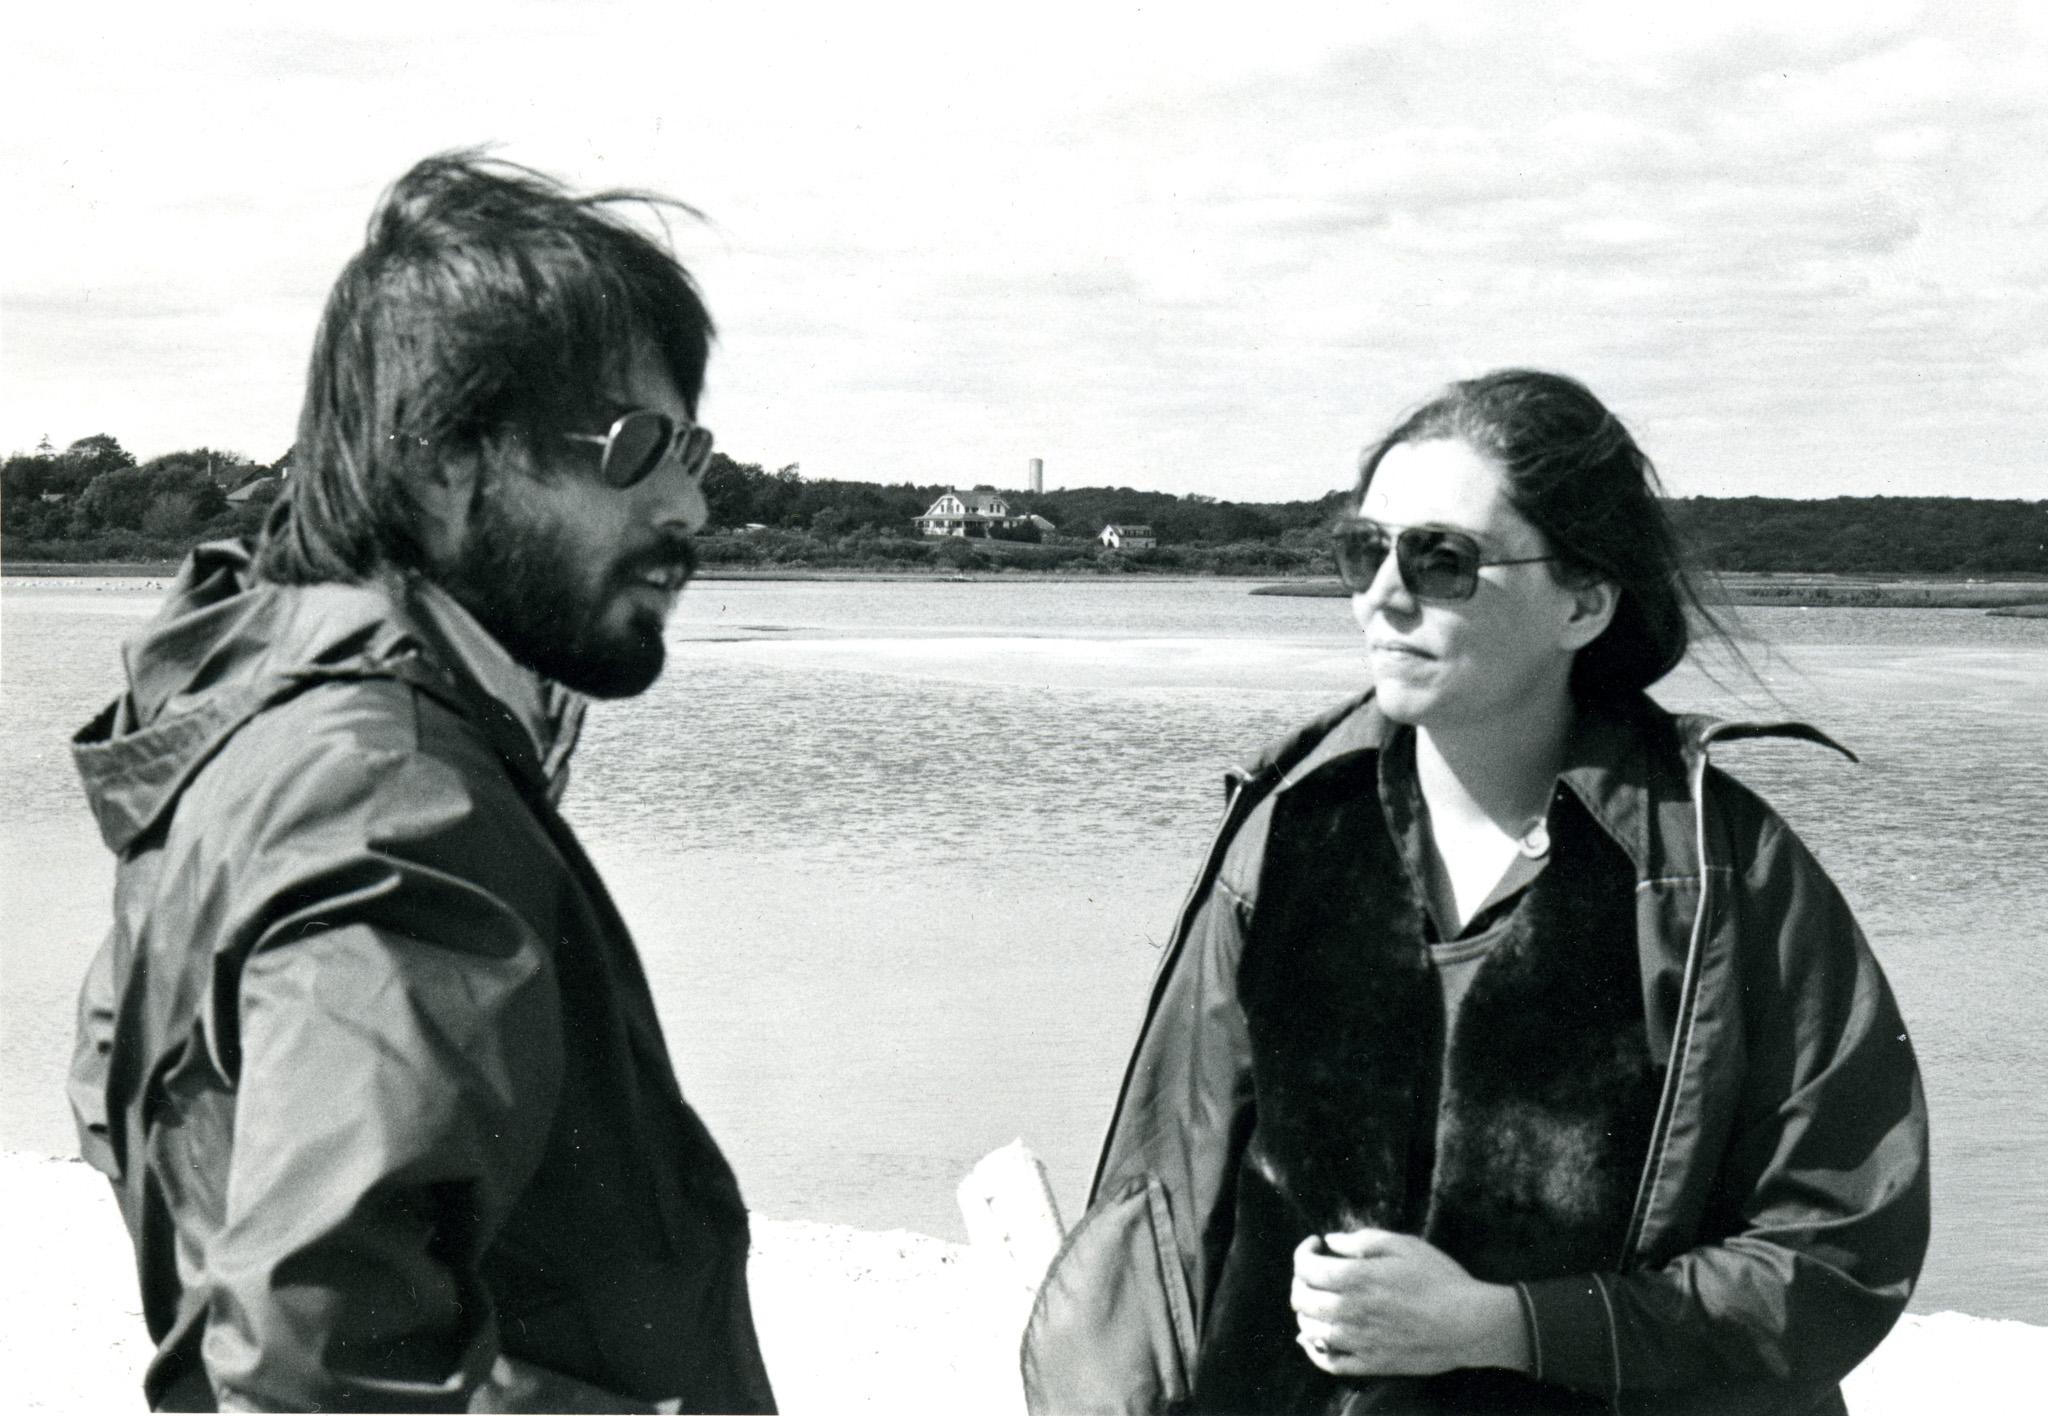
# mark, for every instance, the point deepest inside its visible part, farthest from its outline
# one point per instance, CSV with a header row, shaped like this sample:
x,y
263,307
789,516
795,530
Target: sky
x,y
1801,249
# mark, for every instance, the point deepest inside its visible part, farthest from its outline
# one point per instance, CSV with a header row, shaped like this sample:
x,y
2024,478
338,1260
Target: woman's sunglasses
x,y
641,440
1434,564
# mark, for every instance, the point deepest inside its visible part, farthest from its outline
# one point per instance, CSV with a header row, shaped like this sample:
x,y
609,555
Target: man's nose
x,y
682,504
696,510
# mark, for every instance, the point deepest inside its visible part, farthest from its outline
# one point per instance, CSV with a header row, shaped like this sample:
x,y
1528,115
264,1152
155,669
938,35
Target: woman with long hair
x,y
1509,1056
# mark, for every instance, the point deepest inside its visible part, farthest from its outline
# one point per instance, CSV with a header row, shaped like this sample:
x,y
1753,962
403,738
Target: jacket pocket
x,y
1113,1327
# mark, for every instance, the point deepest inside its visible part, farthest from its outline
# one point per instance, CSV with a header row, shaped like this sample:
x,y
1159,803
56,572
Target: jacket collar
x,y
225,646
1635,766
533,721
1639,769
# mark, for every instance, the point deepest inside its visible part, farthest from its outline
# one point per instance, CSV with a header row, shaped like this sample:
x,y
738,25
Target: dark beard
x,y
516,576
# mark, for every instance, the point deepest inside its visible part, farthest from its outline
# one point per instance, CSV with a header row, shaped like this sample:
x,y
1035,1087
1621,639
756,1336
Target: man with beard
x,y
368,1053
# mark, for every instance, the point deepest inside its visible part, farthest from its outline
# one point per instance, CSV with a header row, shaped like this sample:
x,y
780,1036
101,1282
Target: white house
x,y
250,488
974,513
1127,538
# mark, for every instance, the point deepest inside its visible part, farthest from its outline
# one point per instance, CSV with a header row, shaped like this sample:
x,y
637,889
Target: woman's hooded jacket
x,y
1779,1220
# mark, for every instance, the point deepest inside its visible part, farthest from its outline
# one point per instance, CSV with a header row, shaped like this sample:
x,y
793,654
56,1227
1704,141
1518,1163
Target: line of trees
x,y
741,494
94,502
1868,535
781,518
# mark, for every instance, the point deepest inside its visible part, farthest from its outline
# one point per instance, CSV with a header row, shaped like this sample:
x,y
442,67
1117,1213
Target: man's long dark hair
x,y
488,299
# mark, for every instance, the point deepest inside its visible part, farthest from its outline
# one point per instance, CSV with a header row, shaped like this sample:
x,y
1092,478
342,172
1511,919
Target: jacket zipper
x,y
1681,1035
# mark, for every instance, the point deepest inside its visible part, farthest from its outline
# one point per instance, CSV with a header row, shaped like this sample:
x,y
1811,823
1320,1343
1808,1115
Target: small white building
x,y
974,513
1127,537
250,488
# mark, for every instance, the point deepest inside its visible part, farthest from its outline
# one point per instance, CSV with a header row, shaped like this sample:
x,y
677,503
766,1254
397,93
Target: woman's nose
x,y
1387,592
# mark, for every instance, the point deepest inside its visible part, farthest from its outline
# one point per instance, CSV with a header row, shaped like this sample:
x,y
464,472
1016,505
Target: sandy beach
x,y
851,1320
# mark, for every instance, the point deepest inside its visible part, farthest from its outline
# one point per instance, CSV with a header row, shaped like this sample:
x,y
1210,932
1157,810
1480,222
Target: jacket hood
x,y
224,646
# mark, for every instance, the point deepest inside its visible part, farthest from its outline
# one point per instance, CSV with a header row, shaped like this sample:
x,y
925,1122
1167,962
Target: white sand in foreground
x,y
850,1320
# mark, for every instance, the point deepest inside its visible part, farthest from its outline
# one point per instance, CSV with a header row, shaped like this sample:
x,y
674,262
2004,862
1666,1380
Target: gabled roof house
x,y
1127,536
970,513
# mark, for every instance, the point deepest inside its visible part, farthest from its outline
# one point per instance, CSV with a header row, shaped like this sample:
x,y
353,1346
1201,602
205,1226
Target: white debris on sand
x,y
850,1320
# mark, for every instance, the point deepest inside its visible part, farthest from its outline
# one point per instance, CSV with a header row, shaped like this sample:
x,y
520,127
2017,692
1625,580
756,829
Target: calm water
x,y
901,857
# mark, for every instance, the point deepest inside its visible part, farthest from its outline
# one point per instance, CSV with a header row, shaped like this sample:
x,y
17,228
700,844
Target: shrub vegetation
x,y
92,502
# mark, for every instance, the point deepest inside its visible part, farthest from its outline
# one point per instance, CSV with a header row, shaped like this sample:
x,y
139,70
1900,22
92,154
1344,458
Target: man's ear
x,y
1593,607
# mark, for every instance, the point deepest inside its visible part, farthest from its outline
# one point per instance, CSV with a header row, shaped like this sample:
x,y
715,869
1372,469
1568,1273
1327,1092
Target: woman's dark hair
x,y
487,298
1575,474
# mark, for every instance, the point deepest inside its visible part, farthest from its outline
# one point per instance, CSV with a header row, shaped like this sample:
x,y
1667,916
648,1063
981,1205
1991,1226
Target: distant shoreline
x,y
2014,599
165,570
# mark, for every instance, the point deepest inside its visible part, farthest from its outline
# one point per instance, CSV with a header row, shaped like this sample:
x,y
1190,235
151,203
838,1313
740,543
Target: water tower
x,y
1038,474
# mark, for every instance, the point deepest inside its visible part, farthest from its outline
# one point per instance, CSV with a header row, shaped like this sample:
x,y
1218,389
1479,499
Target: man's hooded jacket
x,y
368,1053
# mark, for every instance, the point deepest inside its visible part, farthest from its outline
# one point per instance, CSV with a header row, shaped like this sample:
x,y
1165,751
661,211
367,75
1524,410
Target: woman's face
x,y
1483,661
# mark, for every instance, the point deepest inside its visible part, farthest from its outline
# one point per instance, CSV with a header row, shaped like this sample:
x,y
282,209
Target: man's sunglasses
x,y
641,440
1434,564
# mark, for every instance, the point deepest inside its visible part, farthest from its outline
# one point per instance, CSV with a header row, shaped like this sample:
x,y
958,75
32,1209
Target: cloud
x,y
1179,250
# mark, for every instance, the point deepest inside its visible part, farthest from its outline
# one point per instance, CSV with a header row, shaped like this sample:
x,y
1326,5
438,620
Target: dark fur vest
x,y
1518,1154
